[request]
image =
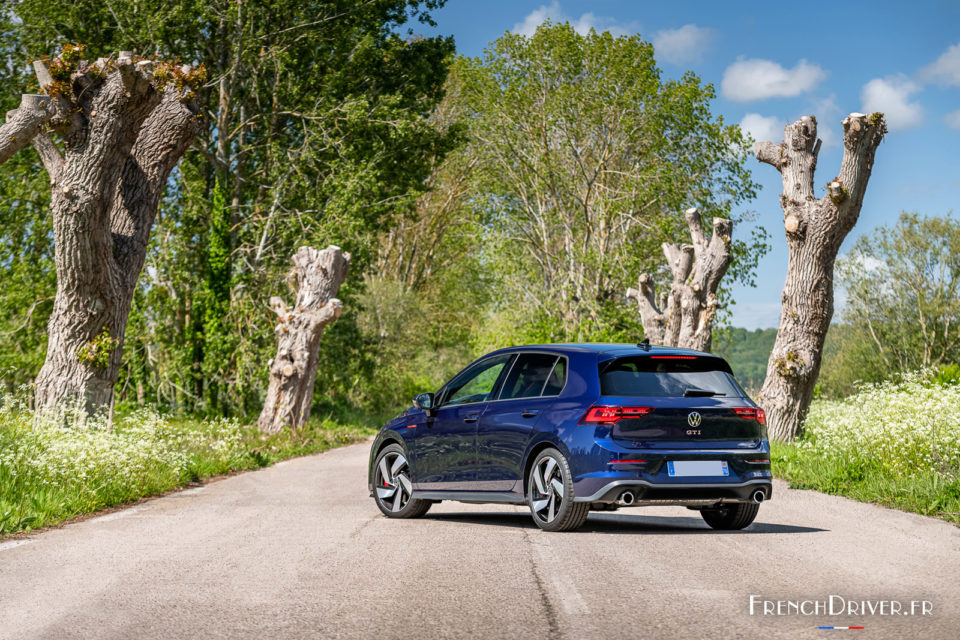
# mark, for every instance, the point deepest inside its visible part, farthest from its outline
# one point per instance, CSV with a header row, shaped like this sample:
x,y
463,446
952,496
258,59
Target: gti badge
x,y
694,419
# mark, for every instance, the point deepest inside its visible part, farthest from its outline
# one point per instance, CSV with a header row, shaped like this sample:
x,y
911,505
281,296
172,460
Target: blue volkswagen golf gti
x,y
570,428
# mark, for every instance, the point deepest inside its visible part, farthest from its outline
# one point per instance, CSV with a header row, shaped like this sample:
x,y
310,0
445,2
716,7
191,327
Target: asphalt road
x,y
299,551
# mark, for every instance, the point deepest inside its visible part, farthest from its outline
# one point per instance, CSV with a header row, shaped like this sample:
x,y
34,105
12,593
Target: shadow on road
x,y
620,523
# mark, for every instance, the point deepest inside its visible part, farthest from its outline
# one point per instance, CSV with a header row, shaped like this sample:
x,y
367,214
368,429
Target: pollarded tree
x,y
684,316
815,228
293,371
123,124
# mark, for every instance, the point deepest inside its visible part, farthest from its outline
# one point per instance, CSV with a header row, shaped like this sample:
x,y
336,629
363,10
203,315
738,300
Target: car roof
x,y
605,348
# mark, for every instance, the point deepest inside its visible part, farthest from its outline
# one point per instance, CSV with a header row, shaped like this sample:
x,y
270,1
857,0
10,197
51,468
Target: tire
x,y
733,516
392,485
550,494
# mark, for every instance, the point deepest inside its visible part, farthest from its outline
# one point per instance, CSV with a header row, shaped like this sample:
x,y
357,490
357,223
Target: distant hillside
x,y
747,352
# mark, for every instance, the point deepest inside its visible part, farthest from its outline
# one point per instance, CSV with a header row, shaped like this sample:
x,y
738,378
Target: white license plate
x,y
697,468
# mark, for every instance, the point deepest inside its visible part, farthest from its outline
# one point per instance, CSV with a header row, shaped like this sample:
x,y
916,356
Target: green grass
x,y
50,473
928,492
895,444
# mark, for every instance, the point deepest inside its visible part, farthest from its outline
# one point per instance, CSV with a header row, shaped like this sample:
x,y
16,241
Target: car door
x,y
447,446
507,424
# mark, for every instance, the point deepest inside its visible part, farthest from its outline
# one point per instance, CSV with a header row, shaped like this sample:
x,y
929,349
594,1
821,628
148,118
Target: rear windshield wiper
x,y
701,393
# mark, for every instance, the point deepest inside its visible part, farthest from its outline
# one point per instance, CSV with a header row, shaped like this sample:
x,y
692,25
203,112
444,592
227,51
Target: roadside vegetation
x,y
50,473
895,443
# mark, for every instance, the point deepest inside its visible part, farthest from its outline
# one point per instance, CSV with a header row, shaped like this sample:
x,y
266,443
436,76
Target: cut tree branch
x,y
23,123
49,154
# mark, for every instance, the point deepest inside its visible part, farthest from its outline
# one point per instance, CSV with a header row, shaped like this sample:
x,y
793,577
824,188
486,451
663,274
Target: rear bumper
x,y
680,493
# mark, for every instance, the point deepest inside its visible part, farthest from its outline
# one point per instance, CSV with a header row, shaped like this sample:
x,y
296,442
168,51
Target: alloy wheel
x,y
393,481
548,491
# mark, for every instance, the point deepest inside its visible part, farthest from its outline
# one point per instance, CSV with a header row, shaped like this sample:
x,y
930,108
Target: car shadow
x,y
599,522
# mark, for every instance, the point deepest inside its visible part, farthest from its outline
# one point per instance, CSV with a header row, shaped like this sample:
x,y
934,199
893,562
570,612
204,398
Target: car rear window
x,y
667,377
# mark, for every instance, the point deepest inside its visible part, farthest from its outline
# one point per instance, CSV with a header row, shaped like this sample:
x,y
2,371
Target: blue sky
x,y
773,62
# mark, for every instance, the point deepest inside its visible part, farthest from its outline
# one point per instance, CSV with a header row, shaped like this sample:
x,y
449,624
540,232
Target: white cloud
x,y
582,25
684,45
946,69
953,119
757,79
537,17
763,128
891,96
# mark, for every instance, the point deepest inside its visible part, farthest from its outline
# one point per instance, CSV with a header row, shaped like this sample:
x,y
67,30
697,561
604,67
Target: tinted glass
x,y
667,377
528,376
476,383
558,377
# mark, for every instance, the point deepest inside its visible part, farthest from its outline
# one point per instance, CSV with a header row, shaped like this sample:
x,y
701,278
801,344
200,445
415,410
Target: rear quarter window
x,y
667,377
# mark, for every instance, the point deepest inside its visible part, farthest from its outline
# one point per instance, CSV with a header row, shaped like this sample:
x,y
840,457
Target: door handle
x,y
529,413
471,418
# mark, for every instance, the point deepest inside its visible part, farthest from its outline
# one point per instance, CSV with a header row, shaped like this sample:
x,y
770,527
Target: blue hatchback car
x,y
570,428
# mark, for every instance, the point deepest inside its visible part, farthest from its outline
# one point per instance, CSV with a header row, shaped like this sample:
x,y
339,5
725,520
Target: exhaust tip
x,y
626,498
758,496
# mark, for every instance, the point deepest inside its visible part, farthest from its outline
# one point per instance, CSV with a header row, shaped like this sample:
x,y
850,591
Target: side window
x,y
476,383
558,377
527,378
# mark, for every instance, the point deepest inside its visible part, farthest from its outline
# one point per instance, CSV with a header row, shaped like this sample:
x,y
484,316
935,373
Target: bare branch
x,y
861,137
771,154
23,124
650,315
279,307
49,154
43,75
695,223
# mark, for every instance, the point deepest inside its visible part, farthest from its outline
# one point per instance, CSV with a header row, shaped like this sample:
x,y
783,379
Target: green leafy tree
x,y
586,159
903,301
317,132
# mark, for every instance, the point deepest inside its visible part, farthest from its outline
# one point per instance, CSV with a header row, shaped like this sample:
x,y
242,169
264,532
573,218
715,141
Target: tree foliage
x,y
586,160
317,129
902,311
513,199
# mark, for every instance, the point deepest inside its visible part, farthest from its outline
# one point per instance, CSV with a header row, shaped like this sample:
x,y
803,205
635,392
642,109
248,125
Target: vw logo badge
x,y
694,419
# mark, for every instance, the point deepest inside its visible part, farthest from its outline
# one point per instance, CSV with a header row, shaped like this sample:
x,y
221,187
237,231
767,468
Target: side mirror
x,y
424,401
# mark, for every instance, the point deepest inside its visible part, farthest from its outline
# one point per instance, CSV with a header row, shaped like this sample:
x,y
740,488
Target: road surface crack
x,y
549,611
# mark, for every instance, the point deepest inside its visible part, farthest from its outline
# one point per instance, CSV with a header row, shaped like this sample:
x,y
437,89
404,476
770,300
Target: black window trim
x,y
495,391
498,385
566,376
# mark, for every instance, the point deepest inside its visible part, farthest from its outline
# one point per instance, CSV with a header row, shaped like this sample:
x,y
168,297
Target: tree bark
x,y
684,316
124,124
814,228
294,369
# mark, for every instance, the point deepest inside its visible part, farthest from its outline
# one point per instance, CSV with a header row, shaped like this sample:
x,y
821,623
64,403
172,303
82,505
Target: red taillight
x,y
673,357
759,461
628,462
612,415
752,413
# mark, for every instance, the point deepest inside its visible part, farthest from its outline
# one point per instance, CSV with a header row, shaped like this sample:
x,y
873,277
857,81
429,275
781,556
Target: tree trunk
x,y
124,125
294,369
815,229
684,317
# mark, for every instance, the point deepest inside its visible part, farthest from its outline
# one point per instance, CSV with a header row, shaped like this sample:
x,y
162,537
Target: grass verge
x,y
927,493
895,444
50,473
